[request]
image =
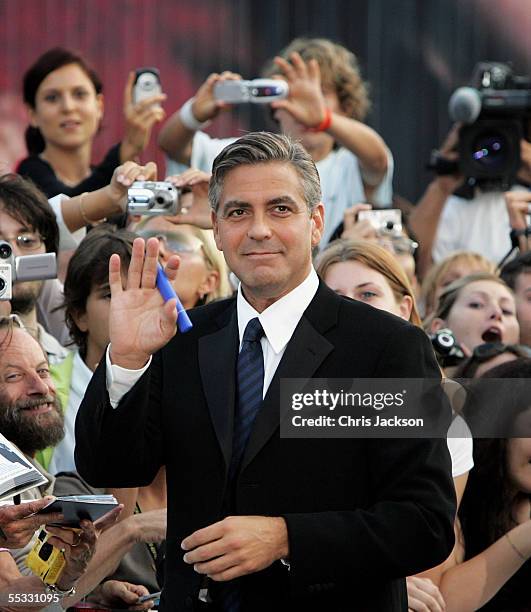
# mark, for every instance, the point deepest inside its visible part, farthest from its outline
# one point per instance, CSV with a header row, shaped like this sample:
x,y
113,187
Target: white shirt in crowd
x,y
480,225
339,171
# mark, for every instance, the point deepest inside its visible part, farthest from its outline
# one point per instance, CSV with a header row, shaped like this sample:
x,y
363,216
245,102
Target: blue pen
x,y
167,292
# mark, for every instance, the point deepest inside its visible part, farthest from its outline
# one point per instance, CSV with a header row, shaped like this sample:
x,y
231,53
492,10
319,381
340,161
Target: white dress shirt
x,y
278,322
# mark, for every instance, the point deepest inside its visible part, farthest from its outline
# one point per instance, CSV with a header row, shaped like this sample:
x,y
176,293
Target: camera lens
x,y
446,340
489,151
2,285
165,199
5,251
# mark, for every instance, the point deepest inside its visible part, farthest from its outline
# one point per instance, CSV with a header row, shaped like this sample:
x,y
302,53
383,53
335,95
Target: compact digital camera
x,y
385,221
447,350
153,198
257,91
25,268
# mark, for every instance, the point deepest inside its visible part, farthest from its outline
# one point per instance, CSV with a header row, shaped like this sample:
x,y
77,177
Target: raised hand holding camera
x,y
204,106
153,198
195,208
141,112
305,102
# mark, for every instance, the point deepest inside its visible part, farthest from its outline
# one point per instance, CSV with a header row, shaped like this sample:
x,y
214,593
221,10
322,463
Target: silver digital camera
x,y
384,221
153,198
26,268
257,91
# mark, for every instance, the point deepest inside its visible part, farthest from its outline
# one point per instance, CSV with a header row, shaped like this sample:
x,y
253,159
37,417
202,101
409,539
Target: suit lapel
x,y
304,353
217,362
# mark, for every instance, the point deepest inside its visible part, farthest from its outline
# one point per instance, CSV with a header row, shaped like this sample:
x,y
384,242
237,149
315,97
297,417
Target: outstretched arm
x,y
94,206
470,585
176,135
307,104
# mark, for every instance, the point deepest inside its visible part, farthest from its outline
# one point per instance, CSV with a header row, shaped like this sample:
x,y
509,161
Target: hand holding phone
x,y
142,110
146,84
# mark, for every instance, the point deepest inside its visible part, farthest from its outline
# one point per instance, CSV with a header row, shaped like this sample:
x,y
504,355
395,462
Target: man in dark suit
x,y
257,522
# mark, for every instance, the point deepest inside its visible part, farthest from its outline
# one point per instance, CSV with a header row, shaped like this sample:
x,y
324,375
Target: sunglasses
x,y
487,351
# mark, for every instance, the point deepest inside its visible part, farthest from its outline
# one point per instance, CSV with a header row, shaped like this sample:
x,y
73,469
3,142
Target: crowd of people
x,y
279,256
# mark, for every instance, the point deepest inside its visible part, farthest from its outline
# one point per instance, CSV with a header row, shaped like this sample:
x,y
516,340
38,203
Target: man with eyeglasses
x,y
28,223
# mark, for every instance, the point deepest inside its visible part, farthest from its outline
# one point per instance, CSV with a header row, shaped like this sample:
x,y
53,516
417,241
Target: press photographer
x,y
486,153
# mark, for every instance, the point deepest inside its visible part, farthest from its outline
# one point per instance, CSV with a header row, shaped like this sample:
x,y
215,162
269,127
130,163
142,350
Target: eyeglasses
x,y
178,243
398,245
403,244
487,351
28,241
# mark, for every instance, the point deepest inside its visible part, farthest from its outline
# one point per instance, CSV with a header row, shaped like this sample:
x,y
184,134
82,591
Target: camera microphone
x,y
465,105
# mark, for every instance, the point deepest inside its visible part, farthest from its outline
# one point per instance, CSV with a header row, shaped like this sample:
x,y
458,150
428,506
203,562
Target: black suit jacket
x,y
361,514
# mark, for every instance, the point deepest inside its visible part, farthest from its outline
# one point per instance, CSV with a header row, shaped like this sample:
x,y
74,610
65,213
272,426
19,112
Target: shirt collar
x,y
281,318
81,375
50,344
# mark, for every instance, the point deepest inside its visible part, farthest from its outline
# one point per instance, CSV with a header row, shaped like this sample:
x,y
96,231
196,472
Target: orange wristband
x,y
325,123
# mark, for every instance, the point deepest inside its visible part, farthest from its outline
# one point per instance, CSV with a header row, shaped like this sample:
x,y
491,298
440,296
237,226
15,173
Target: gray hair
x,y
263,147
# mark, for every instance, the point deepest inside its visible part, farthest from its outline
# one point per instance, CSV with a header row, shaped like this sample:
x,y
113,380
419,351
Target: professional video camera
x,y
25,268
495,112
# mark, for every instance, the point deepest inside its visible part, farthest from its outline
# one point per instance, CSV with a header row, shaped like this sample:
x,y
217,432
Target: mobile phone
x,y
146,85
258,91
149,597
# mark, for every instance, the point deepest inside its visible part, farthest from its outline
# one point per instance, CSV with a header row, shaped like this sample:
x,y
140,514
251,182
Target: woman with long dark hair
x,y
64,97
492,570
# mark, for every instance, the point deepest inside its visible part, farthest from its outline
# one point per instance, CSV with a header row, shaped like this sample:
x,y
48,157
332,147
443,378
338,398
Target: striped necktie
x,y
250,383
